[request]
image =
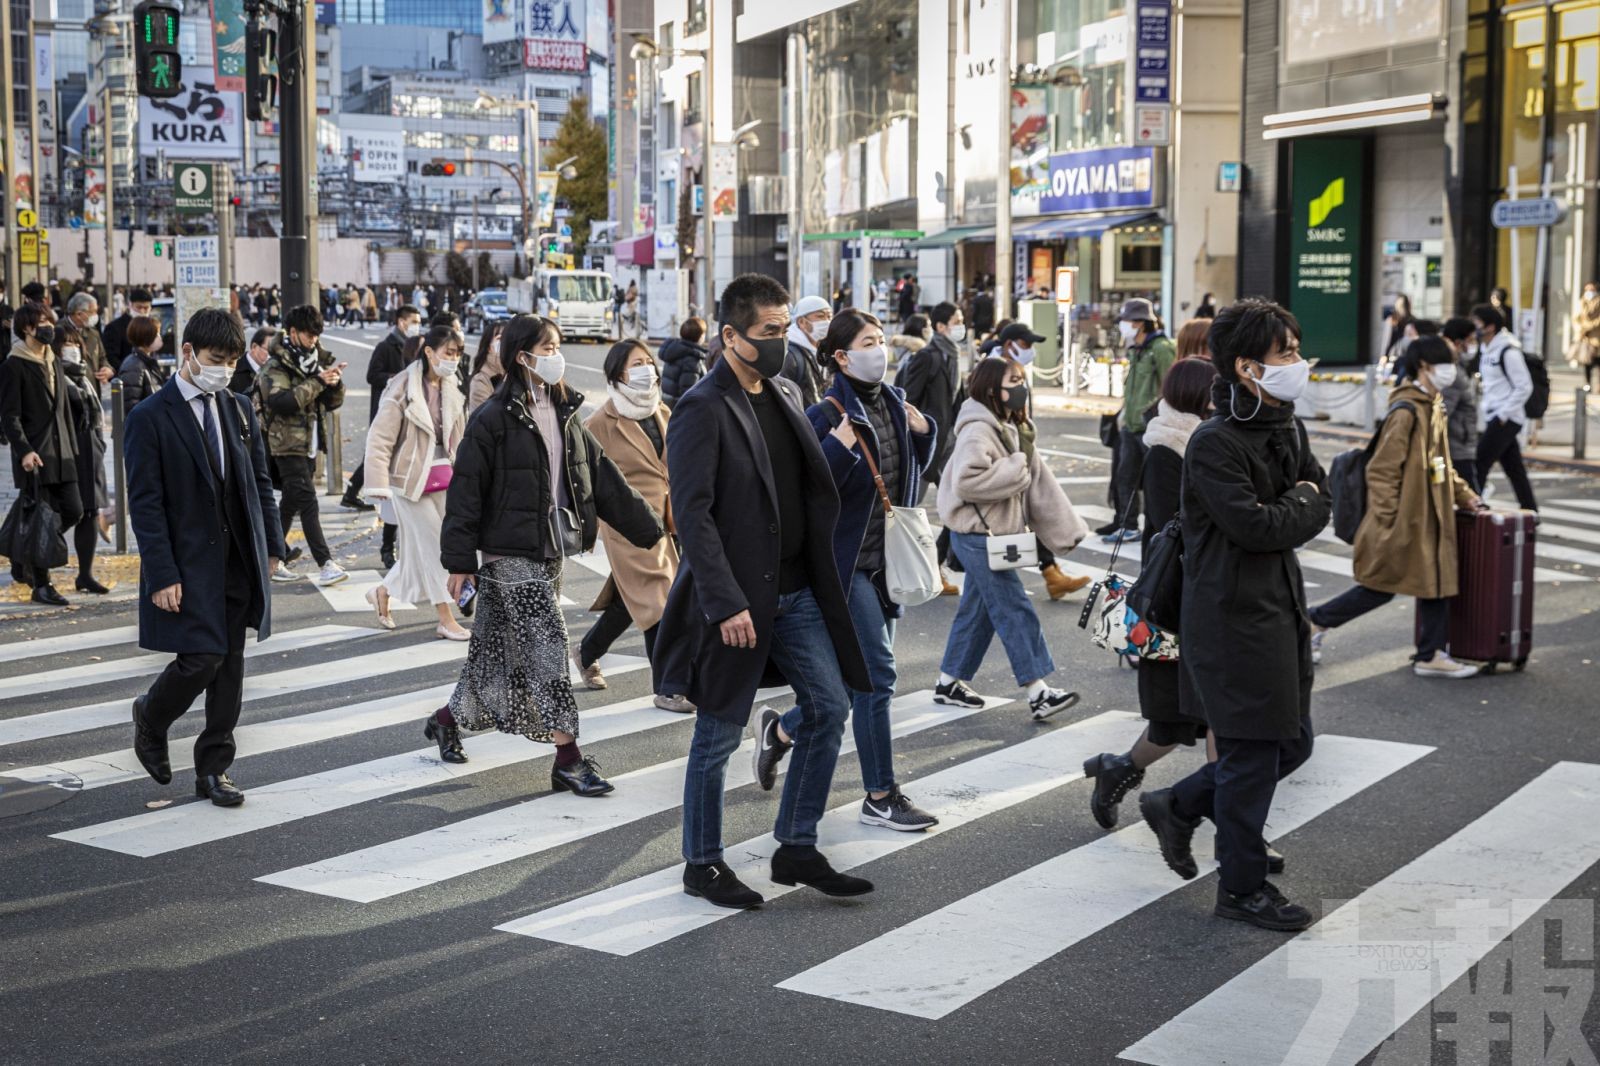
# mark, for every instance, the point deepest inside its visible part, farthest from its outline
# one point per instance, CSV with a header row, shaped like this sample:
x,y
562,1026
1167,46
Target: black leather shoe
x,y
48,595
1173,833
581,777
386,557
150,746
791,865
89,584
719,885
1265,907
1114,777
356,503
292,554
448,737
219,790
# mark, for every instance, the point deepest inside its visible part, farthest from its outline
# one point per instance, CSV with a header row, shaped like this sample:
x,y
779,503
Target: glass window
x,y
580,288
1083,43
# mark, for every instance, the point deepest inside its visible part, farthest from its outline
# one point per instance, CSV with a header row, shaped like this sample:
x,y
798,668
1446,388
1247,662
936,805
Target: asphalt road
x,y
350,912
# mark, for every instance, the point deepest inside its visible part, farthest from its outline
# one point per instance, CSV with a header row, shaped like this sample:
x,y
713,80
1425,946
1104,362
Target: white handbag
x,y
1012,551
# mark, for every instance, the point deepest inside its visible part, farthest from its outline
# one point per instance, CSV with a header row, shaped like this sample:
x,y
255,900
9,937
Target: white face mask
x,y
1129,332
958,332
816,330
1022,355
1285,383
869,365
550,368
208,379
446,368
1443,375
92,321
414,330
641,377
71,355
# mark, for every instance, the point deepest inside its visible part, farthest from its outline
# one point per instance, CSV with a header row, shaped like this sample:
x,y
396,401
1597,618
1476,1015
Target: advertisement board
x,y
1327,259
724,183
199,123
1099,179
376,155
555,36
1030,148
499,21
227,23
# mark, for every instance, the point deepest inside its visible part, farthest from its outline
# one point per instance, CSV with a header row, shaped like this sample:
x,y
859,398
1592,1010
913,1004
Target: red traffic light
x,y
449,170
439,168
235,200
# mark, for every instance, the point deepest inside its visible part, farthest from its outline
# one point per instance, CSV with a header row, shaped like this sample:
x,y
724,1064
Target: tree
x,y
586,193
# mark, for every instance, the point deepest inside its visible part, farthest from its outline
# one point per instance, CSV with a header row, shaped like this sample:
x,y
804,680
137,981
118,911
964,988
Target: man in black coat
x,y
755,508
115,335
244,373
202,509
1252,494
931,378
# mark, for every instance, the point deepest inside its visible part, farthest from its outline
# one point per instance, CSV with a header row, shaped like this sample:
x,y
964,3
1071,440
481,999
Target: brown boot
x,y
1060,584
949,589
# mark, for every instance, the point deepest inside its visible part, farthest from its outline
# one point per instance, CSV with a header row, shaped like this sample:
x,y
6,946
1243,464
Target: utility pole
x,y
297,66
8,126
36,174
1004,254
474,243
708,306
109,231
222,207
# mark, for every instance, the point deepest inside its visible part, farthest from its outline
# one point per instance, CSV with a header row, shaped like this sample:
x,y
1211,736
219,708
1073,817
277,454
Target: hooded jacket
x,y
1507,385
295,402
682,364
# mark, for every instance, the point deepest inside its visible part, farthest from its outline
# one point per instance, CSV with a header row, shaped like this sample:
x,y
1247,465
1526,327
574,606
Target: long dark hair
x,y
843,329
987,379
491,330
524,333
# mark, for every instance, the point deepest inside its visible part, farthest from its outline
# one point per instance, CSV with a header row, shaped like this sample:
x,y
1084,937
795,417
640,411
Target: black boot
x,y
807,867
716,883
150,746
1173,832
1265,907
1114,777
447,736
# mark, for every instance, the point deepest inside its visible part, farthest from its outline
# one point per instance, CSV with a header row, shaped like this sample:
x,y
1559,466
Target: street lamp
x,y
566,170
530,148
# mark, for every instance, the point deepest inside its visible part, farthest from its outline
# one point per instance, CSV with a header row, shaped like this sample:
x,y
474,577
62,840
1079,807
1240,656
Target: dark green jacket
x,y
1147,366
292,402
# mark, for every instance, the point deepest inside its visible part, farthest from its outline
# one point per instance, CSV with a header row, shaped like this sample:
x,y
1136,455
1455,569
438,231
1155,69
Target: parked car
x,y
488,306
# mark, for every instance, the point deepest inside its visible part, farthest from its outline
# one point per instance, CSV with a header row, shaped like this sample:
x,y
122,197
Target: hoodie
x,y
1507,385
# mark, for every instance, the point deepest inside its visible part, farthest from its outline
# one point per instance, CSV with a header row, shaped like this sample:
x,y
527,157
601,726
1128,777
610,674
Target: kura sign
x,y
1100,178
198,123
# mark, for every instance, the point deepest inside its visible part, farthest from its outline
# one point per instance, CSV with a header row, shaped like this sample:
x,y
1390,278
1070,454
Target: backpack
x,y
1347,481
1539,402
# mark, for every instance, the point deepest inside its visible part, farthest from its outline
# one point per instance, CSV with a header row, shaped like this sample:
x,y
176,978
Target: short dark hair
x,y
942,313
1430,350
26,317
914,325
139,296
1457,329
744,298
213,329
444,318
1187,386
263,337
33,290
693,329
407,309
1425,327
1489,315
142,332
305,318
987,379
618,357
1248,329
843,329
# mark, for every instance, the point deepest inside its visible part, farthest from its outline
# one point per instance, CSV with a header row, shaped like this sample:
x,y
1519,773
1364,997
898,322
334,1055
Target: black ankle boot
x,y
806,866
1114,777
447,736
1173,832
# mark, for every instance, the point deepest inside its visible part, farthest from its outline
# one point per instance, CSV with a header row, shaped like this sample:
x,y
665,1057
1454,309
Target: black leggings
x,y
612,623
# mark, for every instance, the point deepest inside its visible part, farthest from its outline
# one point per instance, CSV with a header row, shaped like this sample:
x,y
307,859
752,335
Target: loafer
x,y
90,585
219,790
47,594
582,777
717,884
807,866
591,675
675,704
1266,908
150,746
447,736
1175,834
356,503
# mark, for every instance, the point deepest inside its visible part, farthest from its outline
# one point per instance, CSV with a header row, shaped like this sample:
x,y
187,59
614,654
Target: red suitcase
x,y
1491,618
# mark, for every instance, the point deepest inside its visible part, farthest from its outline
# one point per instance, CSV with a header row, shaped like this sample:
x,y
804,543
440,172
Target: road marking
x,y
351,595
1587,505
73,642
1567,516
1076,455
1086,480
594,560
546,822
45,681
1550,529
653,909
945,960
329,335
1450,906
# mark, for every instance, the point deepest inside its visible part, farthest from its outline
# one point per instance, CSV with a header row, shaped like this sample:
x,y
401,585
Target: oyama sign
x,y
198,123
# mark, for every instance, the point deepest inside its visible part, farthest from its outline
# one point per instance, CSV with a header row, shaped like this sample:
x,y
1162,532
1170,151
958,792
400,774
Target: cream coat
x,y
988,470
400,440
643,576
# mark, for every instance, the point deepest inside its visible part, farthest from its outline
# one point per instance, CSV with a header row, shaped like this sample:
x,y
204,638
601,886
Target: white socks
x,y
946,679
1037,689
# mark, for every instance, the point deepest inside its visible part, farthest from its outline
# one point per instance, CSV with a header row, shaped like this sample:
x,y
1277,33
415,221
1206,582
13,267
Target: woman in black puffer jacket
x,y
683,360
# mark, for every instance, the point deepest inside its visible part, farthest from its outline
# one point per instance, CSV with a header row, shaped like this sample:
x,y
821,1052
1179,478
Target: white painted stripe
x,y
653,909
1306,1003
1587,505
547,822
1089,480
350,595
1548,550
948,958
1550,529
1076,455
351,341
594,560
42,682
190,824
1546,511
73,642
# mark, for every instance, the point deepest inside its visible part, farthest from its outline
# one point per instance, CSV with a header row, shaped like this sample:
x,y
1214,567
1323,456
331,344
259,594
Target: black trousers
x,y
1498,444
612,623
300,500
1235,792
357,480
1130,472
220,677
1468,469
1357,600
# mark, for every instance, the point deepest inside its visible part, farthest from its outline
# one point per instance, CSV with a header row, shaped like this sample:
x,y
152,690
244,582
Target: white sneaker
x,y
1317,634
283,573
332,573
1441,665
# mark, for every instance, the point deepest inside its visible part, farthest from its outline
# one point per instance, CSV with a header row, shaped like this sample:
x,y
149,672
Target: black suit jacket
x,y
115,339
725,508
172,505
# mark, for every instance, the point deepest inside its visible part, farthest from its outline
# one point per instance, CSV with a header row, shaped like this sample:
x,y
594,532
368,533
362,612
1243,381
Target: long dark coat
x,y
726,512
1245,635
172,506
931,378
40,414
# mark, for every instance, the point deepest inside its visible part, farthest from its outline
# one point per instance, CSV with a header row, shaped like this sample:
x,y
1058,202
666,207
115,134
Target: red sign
x,y
555,55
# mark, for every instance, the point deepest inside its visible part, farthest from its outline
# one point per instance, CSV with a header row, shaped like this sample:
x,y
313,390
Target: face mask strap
x,y
1233,395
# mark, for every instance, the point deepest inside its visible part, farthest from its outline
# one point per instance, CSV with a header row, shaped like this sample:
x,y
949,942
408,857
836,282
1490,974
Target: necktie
x,y
212,435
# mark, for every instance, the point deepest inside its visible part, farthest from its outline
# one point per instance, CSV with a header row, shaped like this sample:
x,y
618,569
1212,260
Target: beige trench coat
x,y
643,576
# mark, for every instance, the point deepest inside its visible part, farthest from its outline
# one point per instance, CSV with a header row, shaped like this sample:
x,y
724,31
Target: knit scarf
x,y
798,336
1171,428
637,404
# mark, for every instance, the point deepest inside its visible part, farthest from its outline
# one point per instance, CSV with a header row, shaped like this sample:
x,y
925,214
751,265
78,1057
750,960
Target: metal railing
x,y
1580,422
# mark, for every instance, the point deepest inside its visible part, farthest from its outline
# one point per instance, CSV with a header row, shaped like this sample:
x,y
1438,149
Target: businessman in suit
x,y
202,509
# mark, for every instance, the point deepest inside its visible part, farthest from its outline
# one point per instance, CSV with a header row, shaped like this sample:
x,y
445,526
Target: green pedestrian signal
x,y
158,66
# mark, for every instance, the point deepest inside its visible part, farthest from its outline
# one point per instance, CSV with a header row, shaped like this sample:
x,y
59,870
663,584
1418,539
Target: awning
x,y
1069,226
955,235
637,251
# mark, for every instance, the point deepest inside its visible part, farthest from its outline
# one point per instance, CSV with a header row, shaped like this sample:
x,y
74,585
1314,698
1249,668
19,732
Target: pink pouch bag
x,y
439,475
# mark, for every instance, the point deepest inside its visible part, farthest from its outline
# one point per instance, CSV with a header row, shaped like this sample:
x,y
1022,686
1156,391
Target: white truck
x,y
578,300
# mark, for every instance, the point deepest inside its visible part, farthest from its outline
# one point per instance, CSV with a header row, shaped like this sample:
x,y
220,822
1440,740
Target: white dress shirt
x,y
198,400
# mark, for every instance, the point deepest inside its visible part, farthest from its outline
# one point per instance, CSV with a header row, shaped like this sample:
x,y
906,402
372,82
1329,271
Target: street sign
x,y
1066,284
1518,214
1230,177
197,262
191,188
27,247
566,230
27,219
44,254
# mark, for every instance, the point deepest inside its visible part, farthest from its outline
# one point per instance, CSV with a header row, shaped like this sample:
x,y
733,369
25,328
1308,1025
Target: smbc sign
x,y
1327,241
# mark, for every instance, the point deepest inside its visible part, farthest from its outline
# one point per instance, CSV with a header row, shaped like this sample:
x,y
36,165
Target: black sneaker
x,y
896,812
718,884
956,694
1114,777
294,553
1265,907
1051,701
1174,833
769,750
356,503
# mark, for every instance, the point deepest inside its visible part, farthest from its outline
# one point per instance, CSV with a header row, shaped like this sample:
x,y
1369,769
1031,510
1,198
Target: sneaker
x,y
1110,527
1051,701
769,751
1266,907
332,573
283,573
675,704
1120,536
1441,665
956,694
1317,633
896,812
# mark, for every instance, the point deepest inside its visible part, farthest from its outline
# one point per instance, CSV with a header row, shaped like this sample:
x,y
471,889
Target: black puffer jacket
x,y
500,496
682,364
142,375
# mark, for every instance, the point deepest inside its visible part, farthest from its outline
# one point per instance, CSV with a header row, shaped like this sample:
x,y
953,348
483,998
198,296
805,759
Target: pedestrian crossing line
x,y
350,595
1058,453
1305,1001
945,960
650,910
1549,529
281,802
76,643
42,682
1567,555
594,560
1587,505
548,821
1547,512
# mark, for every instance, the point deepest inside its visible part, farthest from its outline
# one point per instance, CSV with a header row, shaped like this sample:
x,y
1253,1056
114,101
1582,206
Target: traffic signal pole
x,y
8,128
297,170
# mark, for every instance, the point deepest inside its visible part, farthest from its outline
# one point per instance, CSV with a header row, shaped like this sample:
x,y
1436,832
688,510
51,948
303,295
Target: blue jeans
x,y
993,601
869,710
802,649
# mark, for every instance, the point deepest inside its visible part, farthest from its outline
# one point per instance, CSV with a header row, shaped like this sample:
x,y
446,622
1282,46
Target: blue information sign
x,y
1152,62
1100,178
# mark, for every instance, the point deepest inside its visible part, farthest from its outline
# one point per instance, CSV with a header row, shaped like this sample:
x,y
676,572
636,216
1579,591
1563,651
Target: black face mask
x,y
45,335
1017,398
769,354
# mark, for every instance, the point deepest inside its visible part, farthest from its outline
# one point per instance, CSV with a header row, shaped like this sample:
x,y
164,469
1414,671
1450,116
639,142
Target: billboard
x,y
227,23
1030,148
1327,212
556,36
376,155
724,183
94,197
199,123
1099,179
499,21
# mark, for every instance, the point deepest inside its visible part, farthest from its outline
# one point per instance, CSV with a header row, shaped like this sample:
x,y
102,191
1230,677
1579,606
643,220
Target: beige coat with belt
x,y
643,576
1406,543
400,440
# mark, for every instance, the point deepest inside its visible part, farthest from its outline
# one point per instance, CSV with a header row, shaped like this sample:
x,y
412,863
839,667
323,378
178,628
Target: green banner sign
x,y
1327,264
227,25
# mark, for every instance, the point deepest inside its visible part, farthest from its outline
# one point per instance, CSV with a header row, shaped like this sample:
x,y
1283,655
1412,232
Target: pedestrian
x,y
530,486
243,381
369,305
1585,349
1461,404
263,306
982,317
931,379
998,484
1406,544
141,371
83,312
201,507
632,324
1507,386
631,428
1151,354
906,300
877,447
1399,315
914,336
808,324
87,416
755,507
1207,308
411,446
1191,340
683,360
1166,698
115,335
297,389
387,361
1252,493
40,409
487,369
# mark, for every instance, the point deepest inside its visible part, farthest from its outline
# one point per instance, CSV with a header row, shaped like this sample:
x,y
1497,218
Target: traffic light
x,y
260,71
157,64
439,169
